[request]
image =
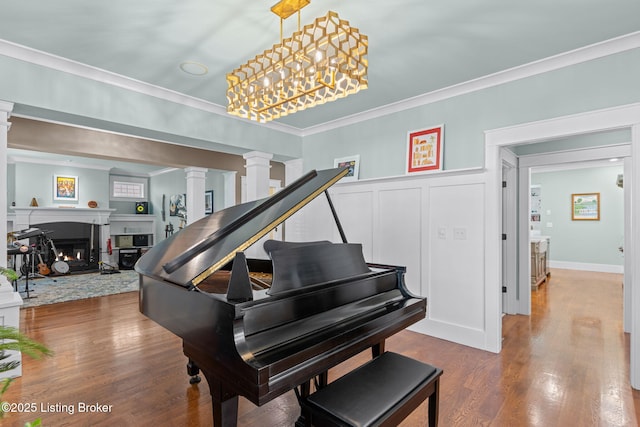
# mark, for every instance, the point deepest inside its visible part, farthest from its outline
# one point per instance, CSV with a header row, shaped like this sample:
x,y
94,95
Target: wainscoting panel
x,y
456,262
399,232
355,211
432,224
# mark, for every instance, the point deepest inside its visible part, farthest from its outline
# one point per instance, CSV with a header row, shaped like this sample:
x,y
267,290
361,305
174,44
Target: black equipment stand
x,y
14,252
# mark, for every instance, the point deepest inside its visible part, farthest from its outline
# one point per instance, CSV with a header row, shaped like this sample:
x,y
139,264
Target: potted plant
x,y
12,339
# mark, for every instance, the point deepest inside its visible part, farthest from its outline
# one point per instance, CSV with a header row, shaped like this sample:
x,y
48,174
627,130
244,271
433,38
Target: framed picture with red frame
x,y
424,153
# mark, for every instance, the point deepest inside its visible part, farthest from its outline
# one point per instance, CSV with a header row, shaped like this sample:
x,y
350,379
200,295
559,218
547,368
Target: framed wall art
x,y
585,207
65,187
208,202
353,163
424,149
178,205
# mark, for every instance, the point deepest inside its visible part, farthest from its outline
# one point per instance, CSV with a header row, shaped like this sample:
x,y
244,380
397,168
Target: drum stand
x,y
32,273
29,274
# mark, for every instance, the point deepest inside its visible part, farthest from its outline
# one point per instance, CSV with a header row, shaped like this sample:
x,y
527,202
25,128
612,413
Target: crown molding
x,y
162,171
562,60
566,59
65,65
20,159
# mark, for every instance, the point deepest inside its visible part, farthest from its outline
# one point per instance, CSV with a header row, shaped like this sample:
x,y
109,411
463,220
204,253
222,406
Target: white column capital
x,y
257,158
6,106
5,112
195,172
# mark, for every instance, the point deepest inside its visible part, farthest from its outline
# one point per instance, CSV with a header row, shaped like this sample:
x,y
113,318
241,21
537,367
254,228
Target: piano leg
x,y
193,370
303,391
377,349
225,407
321,380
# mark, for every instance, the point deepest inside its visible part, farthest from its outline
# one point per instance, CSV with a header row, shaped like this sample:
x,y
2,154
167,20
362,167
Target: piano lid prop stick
x,y
210,241
335,217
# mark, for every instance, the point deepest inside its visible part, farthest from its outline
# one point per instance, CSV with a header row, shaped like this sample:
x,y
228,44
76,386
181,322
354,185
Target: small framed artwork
x,y
65,187
353,163
208,202
178,205
585,207
424,149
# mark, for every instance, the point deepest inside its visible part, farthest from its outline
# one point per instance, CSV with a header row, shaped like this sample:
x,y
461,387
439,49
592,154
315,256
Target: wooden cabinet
x,y
539,261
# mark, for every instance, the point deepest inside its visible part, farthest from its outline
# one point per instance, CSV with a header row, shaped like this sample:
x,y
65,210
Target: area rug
x,y
51,290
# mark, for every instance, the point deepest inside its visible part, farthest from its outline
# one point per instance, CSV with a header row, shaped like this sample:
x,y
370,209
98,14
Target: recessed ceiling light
x,y
194,68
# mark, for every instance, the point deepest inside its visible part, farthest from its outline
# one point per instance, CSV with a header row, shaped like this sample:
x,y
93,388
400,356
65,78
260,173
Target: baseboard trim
x,y
602,268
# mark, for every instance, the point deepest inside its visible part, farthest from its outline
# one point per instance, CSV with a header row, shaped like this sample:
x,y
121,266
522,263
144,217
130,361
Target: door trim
x,y
626,116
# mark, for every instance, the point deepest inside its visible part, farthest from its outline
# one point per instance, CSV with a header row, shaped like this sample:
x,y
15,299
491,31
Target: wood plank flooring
x,y
567,364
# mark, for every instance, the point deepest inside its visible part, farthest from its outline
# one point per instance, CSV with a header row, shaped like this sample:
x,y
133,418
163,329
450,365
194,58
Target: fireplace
x,y
70,242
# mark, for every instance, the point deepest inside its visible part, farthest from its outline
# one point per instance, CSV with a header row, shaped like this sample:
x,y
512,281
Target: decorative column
x,y
10,301
196,178
257,187
257,171
229,189
293,226
5,113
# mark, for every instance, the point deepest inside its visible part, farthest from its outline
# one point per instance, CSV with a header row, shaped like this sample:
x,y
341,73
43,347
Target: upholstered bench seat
x,y
381,392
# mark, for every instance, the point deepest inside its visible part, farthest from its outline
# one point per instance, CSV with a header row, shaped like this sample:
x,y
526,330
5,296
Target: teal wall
x,y
175,183
64,97
381,142
36,180
594,242
28,180
166,184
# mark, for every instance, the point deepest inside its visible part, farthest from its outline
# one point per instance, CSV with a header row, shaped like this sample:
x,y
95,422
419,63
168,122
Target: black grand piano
x,y
259,328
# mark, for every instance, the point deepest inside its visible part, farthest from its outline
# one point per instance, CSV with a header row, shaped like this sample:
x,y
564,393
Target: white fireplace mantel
x,y
28,216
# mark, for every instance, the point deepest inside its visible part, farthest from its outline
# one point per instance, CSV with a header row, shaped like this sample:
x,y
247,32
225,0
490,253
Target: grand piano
x,y
259,328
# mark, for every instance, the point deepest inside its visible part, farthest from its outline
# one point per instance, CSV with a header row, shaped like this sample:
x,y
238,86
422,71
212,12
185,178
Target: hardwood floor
x,y
567,364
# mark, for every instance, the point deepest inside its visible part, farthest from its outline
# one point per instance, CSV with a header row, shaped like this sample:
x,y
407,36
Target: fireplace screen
x,y
76,243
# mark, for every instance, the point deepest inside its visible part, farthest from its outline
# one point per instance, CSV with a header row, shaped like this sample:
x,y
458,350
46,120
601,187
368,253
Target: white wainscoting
x,y
432,224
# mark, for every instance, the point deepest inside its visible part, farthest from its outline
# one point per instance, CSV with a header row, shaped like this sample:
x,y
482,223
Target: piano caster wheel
x,y
195,379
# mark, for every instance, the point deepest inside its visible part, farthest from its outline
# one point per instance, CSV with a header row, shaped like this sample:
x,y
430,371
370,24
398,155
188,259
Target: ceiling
x,y
415,46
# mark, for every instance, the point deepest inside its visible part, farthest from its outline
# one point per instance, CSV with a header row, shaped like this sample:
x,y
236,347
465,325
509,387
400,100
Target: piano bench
x,y
382,392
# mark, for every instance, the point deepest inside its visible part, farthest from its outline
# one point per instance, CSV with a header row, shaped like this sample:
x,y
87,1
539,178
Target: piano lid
x,y
197,251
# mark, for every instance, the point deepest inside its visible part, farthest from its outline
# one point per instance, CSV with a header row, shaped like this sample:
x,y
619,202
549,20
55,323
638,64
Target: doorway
x,y
624,117
528,163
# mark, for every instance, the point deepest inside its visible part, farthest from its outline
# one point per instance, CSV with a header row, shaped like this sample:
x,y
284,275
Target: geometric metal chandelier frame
x,y
324,61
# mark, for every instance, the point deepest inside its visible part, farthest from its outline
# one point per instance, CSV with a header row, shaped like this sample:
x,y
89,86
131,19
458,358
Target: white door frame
x,y
626,116
510,228
555,158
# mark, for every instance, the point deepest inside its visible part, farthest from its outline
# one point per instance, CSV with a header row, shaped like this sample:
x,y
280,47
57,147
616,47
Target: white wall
x,y
432,224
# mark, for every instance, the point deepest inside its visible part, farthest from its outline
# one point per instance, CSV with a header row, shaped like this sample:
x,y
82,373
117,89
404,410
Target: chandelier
x,y
324,61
